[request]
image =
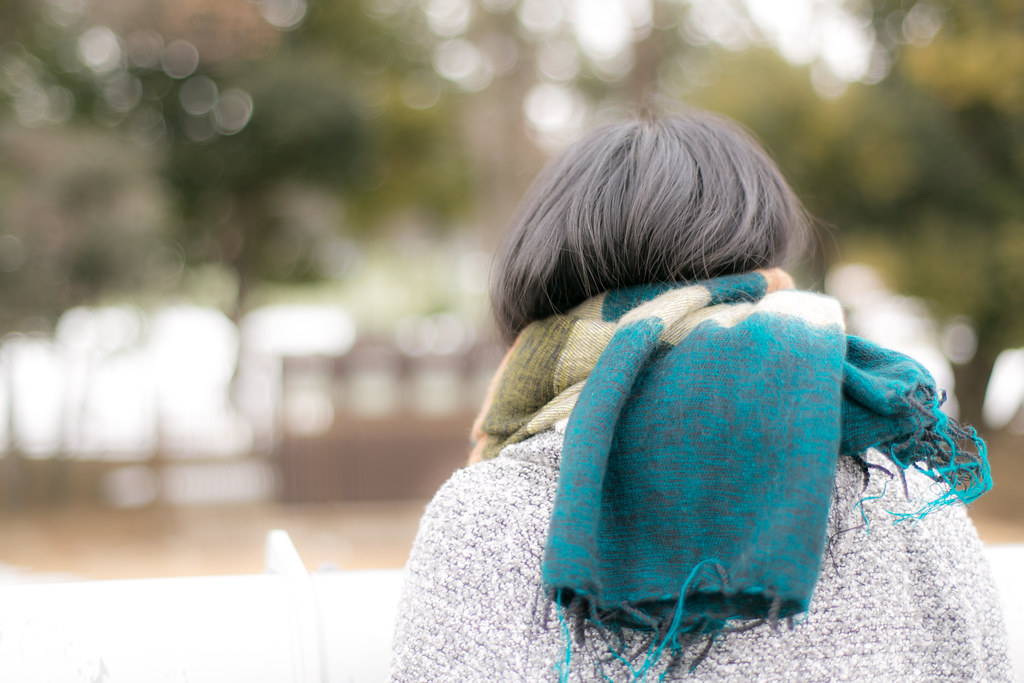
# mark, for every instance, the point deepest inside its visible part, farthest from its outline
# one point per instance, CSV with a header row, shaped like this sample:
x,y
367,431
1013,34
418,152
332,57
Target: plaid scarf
x,y
703,423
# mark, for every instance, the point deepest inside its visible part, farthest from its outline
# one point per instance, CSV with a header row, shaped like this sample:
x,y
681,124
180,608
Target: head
x,y
677,199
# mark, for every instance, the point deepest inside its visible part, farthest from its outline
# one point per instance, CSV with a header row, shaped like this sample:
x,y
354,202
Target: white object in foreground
x,y
286,625
283,626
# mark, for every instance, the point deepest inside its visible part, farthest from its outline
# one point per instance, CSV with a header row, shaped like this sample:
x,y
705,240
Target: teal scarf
x,y
703,424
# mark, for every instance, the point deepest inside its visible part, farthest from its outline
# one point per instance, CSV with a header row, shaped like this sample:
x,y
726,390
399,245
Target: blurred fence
x,y
400,424
185,407
182,406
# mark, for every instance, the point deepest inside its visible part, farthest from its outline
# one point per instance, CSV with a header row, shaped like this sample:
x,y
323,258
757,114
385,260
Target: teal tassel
x,y
563,666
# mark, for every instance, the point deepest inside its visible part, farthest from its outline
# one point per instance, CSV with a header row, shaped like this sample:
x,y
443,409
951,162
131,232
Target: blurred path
x,y
201,541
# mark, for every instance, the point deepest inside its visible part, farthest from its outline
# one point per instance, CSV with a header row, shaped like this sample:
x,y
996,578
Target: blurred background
x,y
244,243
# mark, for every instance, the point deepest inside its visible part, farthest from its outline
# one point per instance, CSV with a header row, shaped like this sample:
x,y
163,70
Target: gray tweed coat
x,y
894,602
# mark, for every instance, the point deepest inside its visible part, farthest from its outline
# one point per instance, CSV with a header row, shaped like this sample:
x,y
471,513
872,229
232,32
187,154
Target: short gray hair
x,y
676,199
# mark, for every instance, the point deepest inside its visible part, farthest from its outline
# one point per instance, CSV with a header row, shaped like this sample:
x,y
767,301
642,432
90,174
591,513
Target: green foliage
x,y
325,116
919,173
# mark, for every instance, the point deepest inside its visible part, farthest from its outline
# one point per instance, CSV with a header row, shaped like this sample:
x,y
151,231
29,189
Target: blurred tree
x,y
80,213
325,113
280,124
277,125
533,74
919,173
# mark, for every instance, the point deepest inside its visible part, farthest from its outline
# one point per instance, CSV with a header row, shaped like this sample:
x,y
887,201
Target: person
x,y
685,468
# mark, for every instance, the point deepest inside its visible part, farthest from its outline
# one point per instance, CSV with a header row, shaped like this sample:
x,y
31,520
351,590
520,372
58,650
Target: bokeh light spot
x,y
12,253
180,59
462,63
99,49
123,92
232,112
555,113
603,28
448,18
550,107
283,14
145,48
540,17
198,95
199,128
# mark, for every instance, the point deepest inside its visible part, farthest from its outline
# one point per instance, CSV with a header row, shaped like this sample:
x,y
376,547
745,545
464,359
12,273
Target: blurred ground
x,y
91,543
97,544
198,541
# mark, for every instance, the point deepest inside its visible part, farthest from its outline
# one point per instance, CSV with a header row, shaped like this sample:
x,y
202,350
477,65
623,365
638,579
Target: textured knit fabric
x,y
701,446
895,602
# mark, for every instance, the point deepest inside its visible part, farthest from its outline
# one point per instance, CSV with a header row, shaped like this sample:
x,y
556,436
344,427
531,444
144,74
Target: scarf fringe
x,y
683,631
936,449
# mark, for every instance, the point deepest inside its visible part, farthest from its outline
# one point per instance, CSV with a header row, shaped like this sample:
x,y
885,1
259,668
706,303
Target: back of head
x,y
676,199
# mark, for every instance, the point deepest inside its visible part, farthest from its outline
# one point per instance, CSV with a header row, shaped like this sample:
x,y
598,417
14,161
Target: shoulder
x,y
472,583
515,489
904,594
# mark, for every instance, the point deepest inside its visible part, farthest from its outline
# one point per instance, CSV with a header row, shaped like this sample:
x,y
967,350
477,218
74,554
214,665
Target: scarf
x,y
703,423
